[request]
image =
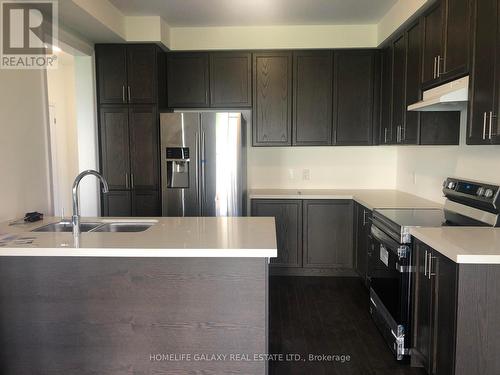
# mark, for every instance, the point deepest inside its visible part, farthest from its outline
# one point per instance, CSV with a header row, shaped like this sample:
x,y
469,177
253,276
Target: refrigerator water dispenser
x,y
177,167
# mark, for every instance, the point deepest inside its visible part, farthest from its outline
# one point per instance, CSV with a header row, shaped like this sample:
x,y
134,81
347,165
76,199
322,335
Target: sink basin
x,y
123,227
66,226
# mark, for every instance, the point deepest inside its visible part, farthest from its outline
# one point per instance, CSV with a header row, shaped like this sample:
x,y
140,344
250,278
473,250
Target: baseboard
x,y
340,272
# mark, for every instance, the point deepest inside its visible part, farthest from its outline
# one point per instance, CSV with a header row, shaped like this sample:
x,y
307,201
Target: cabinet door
x,y
483,71
272,99
363,224
353,97
456,38
328,234
141,72
386,100
187,80
146,203
288,216
117,203
444,271
422,313
230,79
114,140
312,97
111,66
410,133
144,149
398,87
433,40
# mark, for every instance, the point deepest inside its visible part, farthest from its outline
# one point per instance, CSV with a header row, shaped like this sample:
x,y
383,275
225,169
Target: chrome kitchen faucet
x,y
75,219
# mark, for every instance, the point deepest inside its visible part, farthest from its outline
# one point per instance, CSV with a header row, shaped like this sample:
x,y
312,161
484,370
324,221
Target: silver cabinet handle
x,y
126,181
123,94
430,266
438,66
403,132
485,115
434,72
364,217
425,264
129,95
491,123
385,135
132,184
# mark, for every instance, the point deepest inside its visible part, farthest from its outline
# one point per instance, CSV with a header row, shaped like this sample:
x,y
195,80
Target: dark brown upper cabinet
x,y
386,96
111,67
312,98
483,127
353,98
446,41
410,131
399,87
141,74
127,73
433,44
188,80
230,79
272,98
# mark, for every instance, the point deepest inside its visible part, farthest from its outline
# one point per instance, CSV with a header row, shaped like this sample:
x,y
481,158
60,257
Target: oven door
x,y
389,271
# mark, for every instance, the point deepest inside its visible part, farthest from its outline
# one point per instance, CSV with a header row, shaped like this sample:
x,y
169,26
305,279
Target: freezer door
x,y
180,130
223,164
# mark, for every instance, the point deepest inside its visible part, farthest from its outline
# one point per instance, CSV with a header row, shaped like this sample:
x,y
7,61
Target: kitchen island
x,y
187,295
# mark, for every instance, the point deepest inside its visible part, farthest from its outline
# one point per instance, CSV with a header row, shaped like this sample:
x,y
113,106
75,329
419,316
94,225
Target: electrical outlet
x,y
306,174
414,175
291,174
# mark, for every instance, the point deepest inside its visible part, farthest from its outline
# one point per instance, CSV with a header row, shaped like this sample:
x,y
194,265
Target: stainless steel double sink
x,y
116,226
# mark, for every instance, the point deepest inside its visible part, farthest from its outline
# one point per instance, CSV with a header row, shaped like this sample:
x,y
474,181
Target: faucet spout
x,y
75,219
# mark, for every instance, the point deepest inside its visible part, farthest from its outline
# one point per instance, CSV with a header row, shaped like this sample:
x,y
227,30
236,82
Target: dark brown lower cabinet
x,y
456,309
315,237
328,234
362,227
288,216
117,203
131,203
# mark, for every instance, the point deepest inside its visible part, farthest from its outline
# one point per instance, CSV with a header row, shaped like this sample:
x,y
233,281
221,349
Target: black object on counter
x,y
31,217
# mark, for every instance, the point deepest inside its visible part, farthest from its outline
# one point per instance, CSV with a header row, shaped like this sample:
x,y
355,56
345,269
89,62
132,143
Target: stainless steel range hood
x,y
451,96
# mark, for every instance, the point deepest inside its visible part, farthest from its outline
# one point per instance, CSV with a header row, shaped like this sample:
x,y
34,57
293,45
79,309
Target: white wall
x,y
432,164
24,181
273,37
61,94
329,167
87,133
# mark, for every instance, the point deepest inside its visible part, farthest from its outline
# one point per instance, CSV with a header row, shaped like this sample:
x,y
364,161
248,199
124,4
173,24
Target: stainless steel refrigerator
x,y
203,164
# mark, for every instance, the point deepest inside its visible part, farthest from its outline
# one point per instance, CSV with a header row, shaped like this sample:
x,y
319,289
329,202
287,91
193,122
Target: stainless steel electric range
x,y
390,256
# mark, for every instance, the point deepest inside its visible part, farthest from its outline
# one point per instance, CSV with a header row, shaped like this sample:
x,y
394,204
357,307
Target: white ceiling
x,y
189,13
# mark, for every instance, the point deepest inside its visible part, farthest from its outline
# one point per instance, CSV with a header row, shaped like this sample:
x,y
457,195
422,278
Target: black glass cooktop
x,y
426,217
414,217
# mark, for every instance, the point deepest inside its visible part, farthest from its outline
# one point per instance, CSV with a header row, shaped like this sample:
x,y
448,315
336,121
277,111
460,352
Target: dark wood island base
x,y
77,315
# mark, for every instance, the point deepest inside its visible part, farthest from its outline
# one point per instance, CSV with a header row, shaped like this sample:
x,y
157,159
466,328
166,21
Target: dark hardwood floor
x,y
327,315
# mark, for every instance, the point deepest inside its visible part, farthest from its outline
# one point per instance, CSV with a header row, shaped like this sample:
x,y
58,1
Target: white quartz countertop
x,y
369,198
476,245
252,237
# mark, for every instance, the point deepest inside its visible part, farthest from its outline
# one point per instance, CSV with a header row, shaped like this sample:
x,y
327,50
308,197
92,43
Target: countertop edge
x,y
137,253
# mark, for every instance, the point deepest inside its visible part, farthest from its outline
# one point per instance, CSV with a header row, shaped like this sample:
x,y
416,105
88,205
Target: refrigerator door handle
x,y
197,174
202,160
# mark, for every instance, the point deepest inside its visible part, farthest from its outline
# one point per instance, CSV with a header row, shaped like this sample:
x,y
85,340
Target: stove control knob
x,y
451,185
480,191
488,193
